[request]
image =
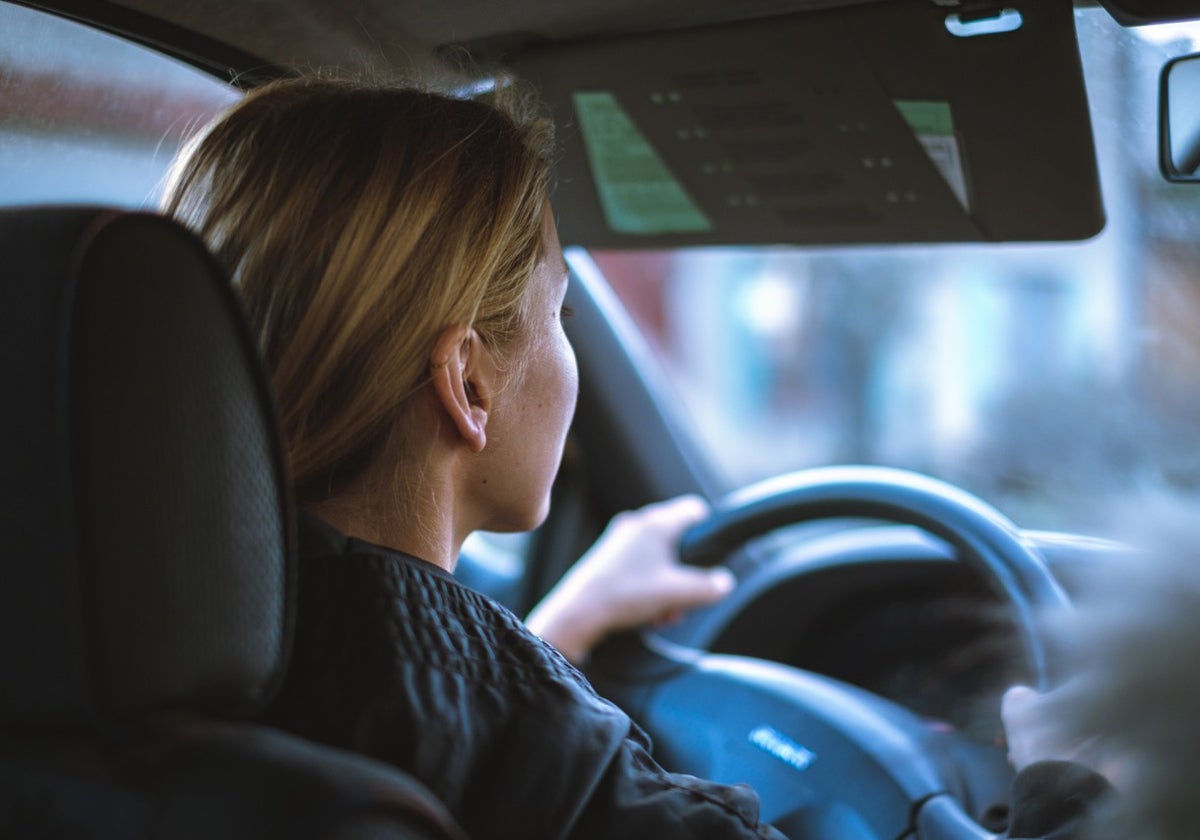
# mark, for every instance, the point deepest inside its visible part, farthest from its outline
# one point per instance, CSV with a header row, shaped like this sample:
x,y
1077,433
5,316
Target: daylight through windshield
x,y
1049,379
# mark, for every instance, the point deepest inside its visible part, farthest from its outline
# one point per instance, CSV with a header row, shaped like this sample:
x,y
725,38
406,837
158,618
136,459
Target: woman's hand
x,y
1030,730
630,577
1033,727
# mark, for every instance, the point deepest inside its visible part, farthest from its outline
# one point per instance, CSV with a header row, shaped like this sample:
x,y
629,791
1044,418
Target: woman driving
x,y
398,256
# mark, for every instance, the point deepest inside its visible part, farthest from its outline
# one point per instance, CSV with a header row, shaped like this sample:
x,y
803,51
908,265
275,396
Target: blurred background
x,y
1052,380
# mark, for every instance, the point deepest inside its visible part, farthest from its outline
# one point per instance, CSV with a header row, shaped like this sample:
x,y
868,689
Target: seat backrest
x,y
145,528
145,549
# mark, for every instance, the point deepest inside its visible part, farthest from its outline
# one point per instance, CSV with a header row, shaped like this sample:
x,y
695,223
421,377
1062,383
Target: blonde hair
x,y
359,222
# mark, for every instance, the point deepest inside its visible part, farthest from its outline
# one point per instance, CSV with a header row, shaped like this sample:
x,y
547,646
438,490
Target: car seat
x,y
145,548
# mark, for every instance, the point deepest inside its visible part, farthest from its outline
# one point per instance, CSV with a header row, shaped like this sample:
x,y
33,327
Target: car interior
x,y
900,509
162,606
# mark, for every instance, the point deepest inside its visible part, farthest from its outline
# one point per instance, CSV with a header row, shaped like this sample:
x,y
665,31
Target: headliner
x,y
403,36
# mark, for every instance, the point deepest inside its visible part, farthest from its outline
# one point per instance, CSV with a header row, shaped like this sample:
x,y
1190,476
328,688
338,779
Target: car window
x,y
1049,379
89,117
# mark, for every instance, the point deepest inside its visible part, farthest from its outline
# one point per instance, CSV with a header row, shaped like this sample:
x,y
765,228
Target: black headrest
x,y
144,519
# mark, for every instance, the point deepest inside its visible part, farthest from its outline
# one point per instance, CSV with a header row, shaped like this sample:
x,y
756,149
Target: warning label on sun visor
x,y
933,125
637,191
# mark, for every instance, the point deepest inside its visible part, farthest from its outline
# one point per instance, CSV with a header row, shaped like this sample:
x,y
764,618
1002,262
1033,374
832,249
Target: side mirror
x,y
1179,119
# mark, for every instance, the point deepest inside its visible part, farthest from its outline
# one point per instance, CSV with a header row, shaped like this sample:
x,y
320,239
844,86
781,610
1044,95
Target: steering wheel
x,y
828,760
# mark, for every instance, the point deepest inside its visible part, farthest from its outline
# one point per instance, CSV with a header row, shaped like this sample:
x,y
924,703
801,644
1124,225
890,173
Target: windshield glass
x,y
1051,380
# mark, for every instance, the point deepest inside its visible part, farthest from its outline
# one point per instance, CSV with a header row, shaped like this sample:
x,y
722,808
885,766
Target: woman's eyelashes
x,y
566,312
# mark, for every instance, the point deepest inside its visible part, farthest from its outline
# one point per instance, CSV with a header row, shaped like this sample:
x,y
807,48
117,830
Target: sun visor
x,y
873,124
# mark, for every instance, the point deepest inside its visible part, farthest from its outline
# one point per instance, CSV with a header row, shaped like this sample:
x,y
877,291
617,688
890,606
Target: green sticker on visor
x,y
926,117
638,193
933,126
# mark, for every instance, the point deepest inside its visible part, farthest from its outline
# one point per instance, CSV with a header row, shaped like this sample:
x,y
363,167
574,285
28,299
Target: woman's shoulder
x,y
396,658
411,613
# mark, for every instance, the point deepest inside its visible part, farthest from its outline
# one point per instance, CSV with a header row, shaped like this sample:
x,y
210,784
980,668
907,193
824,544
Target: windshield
x,y
1051,380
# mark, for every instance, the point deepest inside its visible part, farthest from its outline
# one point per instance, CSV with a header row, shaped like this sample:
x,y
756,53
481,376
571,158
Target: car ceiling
x,y
881,52
379,34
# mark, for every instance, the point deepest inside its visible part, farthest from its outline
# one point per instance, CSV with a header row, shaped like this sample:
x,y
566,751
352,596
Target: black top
x,y
393,657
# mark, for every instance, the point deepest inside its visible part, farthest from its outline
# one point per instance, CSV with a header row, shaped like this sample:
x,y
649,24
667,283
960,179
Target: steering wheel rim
x,y
660,682
986,541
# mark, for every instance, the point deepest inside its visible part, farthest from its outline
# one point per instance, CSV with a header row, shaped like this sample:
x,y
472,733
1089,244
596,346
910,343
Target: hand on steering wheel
x,y
869,760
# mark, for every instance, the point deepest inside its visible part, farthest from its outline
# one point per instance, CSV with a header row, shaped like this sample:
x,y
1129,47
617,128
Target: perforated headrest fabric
x,y
145,522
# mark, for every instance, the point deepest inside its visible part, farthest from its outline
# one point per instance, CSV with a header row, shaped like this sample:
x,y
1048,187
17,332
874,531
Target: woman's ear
x,y
461,370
